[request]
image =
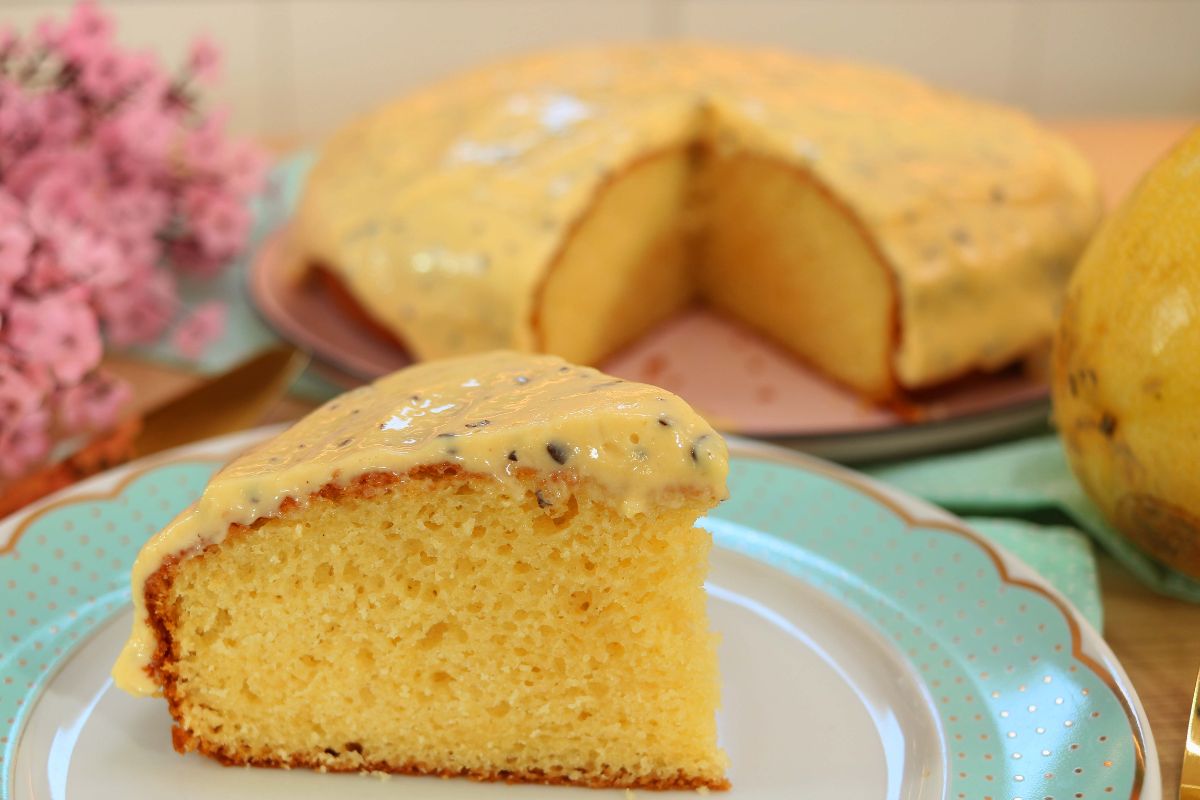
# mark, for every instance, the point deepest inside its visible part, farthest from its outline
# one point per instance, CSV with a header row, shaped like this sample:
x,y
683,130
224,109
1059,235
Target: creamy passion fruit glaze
x,y
493,414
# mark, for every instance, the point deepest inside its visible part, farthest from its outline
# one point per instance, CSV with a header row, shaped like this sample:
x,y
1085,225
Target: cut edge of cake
x,y
165,666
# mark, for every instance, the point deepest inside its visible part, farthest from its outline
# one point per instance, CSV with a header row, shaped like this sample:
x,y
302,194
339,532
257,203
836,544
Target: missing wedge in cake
x,y
484,567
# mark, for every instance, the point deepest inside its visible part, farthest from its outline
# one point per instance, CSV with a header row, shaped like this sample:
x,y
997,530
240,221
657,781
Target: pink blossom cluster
x,y
112,183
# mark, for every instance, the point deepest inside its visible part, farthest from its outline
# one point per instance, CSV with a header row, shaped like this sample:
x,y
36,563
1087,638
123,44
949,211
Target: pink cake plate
x,y
742,383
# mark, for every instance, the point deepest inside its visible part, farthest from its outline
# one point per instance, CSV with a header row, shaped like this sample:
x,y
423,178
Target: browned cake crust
x,y
621,779
164,621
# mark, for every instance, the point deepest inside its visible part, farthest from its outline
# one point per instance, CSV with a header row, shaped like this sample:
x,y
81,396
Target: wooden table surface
x,y
1157,639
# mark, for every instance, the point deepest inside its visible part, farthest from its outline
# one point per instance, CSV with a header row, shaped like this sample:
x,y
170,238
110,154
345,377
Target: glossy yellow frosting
x,y
493,414
442,212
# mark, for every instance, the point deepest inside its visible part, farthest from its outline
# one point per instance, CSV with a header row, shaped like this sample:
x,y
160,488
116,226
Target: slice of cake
x,y
484,566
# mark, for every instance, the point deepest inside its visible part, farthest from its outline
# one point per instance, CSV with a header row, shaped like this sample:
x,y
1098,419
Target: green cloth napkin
x,y
1060,554
1010,485
998,489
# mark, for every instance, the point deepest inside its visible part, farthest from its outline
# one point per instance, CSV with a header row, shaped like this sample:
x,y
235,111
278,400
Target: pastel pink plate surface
x,y
738,380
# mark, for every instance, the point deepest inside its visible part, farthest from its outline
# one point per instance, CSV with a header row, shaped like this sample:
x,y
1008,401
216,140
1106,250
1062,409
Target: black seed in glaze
x,y
564,369
1108,424
512,455
558,452
345,441
664,422
446,435
481,423
542,501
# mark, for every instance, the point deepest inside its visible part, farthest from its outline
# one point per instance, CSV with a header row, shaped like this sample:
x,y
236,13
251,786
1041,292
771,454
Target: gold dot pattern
x,y
69,570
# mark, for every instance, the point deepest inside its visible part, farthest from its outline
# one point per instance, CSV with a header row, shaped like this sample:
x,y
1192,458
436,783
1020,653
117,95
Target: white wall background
x,y
299,67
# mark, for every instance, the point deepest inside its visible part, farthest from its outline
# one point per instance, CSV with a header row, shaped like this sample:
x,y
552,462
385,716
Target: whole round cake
x,y
893,235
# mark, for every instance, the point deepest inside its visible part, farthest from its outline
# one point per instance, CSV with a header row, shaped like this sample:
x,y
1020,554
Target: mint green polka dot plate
x,y
872,647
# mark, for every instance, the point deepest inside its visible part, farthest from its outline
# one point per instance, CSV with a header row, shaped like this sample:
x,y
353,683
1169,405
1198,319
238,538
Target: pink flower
x,y
39,377
23,421
138,310
18,395
22,115
25,443
113,180
11,209
137,212
85,256
8,40
245,168
142,131
142,254
94,403
219,221
23,174
106,75
16,244
88,30
59,184
59,205
204,60
46,273
186,256
64,118
145,73
205,149
59,330
47,33
200,329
